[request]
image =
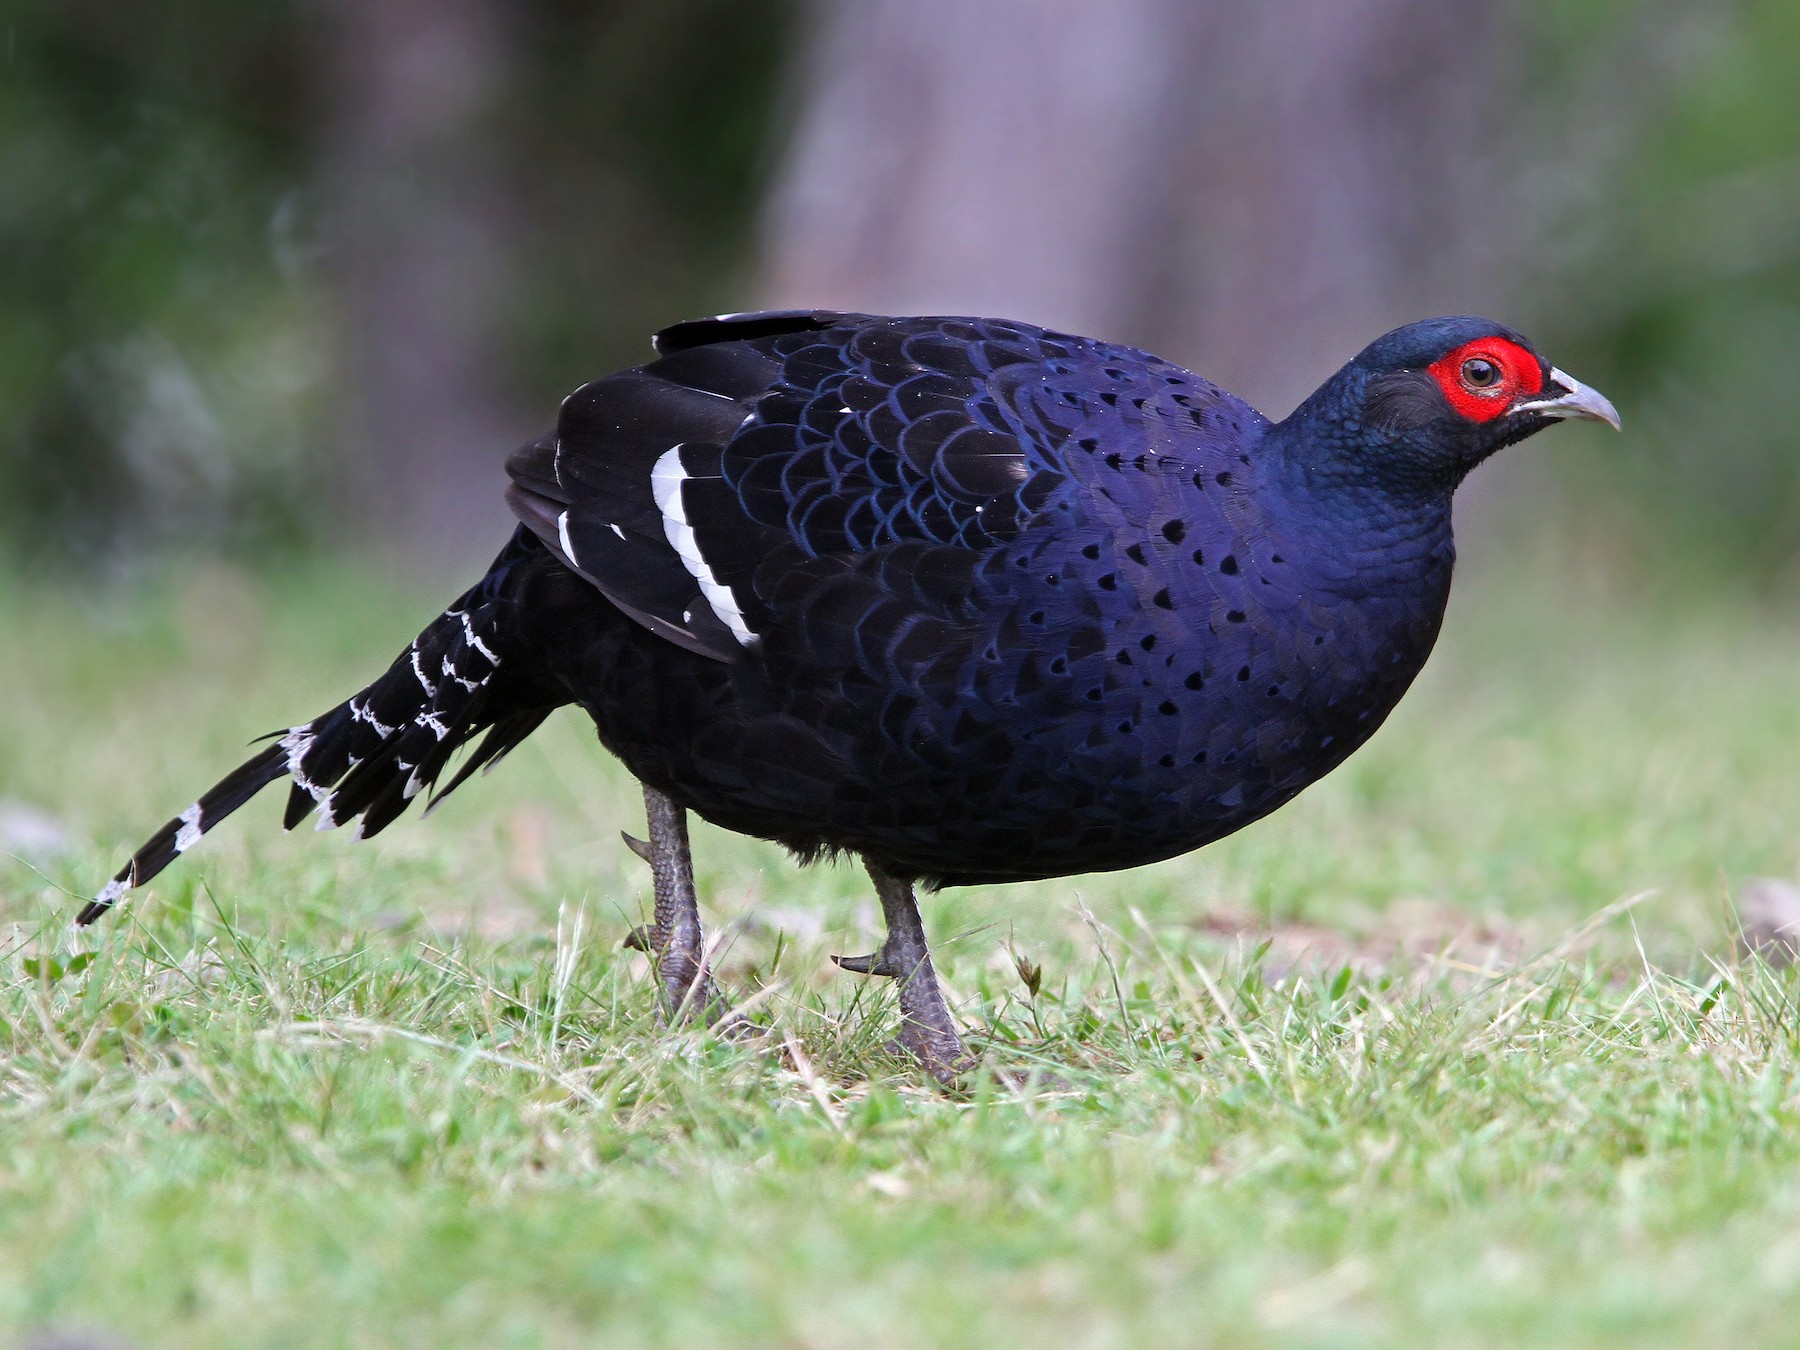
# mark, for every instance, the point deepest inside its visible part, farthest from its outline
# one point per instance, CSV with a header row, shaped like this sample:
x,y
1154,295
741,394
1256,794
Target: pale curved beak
x,y
1566,396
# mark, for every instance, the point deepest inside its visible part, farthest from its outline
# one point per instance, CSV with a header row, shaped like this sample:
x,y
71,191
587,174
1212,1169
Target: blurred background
x,y
280,276
283,281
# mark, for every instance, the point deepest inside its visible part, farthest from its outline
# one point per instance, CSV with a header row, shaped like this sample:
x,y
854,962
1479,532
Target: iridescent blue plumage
x,y
976,601
1019,603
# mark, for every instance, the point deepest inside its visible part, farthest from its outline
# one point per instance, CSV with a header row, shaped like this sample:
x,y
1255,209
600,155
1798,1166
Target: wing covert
x,y
700,492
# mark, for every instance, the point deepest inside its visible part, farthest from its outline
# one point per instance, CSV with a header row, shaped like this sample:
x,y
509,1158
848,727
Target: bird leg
x,y
674,941
927,1031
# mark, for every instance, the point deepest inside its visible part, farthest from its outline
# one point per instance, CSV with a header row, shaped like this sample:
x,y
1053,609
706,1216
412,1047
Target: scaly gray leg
x,y
927,1031
674,941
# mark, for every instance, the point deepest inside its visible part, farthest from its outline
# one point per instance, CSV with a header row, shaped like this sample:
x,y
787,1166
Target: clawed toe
x,y
939,1051
875,963
687,991
693,1000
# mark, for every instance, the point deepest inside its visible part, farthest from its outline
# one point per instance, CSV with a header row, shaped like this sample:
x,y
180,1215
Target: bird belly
x,y
999,763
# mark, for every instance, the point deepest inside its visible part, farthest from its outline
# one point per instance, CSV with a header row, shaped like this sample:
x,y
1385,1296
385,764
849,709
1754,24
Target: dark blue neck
x,y
1329,446
1373,500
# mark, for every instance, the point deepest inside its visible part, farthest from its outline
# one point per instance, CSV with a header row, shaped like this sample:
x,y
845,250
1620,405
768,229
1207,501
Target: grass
x,y
1455,1051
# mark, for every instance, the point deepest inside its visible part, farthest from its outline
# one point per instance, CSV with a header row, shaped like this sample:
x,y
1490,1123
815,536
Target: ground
x,y
1458,1050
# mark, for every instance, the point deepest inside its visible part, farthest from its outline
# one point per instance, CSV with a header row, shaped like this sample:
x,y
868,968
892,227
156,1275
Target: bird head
x,y
1421,406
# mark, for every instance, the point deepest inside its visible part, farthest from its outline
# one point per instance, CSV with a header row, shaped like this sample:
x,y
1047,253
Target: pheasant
x,y
970,599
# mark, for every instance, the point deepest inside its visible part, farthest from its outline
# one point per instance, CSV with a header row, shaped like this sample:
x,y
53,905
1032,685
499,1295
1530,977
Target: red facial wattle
x,y
1518,374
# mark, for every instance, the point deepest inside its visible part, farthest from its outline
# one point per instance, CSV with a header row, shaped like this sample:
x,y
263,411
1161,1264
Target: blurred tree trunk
x,y
416,223
1255,188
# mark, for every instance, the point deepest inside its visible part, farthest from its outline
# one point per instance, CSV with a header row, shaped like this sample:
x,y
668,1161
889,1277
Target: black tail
x,y
372,755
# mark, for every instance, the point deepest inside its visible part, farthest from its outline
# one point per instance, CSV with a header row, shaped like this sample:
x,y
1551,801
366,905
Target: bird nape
x,y
973,600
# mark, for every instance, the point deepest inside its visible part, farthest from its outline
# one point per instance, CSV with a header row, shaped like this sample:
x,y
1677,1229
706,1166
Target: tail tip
x,y
110,895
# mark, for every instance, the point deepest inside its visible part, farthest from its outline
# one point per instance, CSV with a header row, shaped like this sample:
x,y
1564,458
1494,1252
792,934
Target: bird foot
x,y
690,995
928,1034
687,992
936,1049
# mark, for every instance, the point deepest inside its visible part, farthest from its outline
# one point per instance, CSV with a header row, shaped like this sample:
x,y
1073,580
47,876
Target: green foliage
x,y
153,376
1677,275
640,141
166,309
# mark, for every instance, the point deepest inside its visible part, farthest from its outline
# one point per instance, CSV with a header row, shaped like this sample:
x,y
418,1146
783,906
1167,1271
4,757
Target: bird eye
x,y
1480,373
